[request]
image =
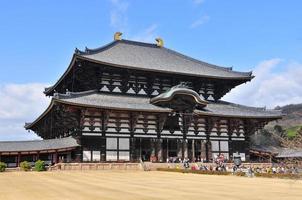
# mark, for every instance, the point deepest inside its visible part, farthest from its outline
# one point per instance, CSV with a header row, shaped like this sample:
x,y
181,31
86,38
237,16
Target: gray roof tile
x,y
280,152
220,108
92,98
146,56
231,109
38,145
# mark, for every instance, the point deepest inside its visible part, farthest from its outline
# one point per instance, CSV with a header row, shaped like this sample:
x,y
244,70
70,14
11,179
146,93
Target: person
x,y
186,163
250,172
194,166
234,169
223,168
274,170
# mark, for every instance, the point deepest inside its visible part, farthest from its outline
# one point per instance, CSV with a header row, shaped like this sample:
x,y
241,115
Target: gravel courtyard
x,y
119,185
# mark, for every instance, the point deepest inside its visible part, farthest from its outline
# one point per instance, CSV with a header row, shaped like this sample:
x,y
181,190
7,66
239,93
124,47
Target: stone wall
x,y
96,166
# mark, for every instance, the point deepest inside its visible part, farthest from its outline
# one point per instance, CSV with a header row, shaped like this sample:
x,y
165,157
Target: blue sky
x,y
38,39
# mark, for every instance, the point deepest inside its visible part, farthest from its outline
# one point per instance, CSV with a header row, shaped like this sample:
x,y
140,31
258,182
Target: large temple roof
x,y
150,57
38,145
135,103
94,99
112,101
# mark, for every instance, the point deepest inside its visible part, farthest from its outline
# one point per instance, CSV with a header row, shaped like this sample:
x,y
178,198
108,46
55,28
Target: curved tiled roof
x,y
95,99
110,101
223,108
150,57
38,145
279,152
122,102
165,99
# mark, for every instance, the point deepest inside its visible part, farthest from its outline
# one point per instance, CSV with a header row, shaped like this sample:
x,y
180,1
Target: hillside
x,y
291,121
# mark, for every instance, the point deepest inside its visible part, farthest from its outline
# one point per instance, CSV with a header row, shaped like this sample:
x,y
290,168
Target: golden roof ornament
x,y
159,42
117,36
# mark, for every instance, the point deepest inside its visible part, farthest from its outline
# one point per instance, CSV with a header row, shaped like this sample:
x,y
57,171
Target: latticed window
x,y
220,147
117,149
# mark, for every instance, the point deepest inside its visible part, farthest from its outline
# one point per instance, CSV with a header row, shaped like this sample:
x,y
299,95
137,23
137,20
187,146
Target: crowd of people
x,y
220,164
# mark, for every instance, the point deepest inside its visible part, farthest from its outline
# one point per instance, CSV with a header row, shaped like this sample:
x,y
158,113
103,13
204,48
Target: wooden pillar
x,y
186,122
203,150
56,157
18,159
207,144
247,147
184,149
140,149
38,155
0,156
159,150
179,148
230,132
132,149
153,151
193,151
167,148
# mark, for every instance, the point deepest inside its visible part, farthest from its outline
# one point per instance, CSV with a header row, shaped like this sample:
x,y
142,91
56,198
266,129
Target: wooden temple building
x,y
129,101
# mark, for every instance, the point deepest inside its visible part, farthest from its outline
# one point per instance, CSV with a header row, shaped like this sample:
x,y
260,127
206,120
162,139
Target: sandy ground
x,y
119,185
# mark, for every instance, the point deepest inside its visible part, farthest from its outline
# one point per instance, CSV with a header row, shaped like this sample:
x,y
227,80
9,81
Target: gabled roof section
x,y
279,152
38,145
150,57
108,101
94,99
227,109
179,98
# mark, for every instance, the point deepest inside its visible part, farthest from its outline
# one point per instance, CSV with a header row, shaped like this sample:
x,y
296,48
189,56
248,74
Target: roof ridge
x,y
147,44
95,50
70,95
36,140
106,46
20,141
73,94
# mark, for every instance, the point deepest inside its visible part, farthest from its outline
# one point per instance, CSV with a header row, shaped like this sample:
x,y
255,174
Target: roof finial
x,y
117,36
159,42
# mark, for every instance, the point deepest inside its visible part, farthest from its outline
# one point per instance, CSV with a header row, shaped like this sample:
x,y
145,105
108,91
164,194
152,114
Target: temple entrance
x,y
146,149
169,149
194,150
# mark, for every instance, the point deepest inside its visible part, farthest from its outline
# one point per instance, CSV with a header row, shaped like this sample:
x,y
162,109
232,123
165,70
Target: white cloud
x,y
202,20
118,14
147,35
271,86
119,21
198,2
20,103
